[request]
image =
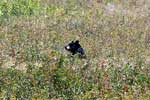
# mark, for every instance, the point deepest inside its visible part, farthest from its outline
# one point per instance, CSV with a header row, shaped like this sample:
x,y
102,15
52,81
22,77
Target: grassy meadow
x,y
35,66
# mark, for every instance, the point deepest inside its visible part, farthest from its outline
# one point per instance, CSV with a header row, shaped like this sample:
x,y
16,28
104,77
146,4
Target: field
x,y
35,66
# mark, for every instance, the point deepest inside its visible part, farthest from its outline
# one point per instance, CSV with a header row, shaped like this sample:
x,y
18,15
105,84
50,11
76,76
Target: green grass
x,y
35,66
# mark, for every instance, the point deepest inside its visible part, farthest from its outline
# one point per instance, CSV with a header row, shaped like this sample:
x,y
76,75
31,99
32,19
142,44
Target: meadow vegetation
x,y
35,66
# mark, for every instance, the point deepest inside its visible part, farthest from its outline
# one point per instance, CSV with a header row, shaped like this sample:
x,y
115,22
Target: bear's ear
x,y
77,41
72,41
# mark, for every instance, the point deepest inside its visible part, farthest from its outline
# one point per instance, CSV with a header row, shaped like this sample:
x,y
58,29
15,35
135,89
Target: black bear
x,y
75,48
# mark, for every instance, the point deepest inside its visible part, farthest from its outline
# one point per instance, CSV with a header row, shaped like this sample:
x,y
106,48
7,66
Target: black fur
x,y
74,48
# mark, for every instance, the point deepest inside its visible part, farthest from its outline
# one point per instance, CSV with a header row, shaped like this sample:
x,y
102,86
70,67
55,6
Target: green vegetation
x,y
35,66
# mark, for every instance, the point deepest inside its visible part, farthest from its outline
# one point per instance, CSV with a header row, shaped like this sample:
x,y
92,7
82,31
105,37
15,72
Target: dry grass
x,y
114,33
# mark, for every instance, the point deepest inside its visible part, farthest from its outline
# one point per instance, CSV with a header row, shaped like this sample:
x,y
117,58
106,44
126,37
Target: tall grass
x,y
34,64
